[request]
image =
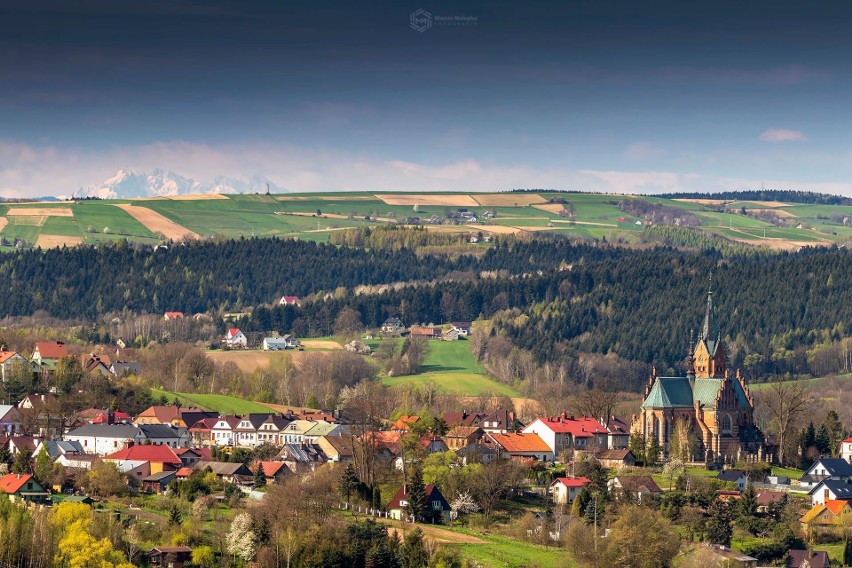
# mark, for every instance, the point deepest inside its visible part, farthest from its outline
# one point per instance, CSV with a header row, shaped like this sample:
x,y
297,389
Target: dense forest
x,y
788,195
555,298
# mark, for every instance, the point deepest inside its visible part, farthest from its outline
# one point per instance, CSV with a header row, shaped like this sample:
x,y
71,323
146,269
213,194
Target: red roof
x,y
521,442
233,331
582,427
270,468
184,472
404,422
572,481
401,494
118,416
174,314
6,355
204,425
162,454
290,299
13,482
848,440
51,349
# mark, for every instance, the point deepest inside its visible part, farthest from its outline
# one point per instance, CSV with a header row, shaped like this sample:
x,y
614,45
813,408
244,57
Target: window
x,y
436,505
726,424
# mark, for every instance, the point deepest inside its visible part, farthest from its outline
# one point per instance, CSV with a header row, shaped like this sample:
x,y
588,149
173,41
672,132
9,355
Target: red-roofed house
x,y
8,361
161,458
519,446
564,489
569,433
235,339
404,423
289,301
111,417
172,315
273,470
438,505
202,431
23,487
49,351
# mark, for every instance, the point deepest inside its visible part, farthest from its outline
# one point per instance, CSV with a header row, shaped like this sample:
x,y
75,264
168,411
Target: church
x,y
718,408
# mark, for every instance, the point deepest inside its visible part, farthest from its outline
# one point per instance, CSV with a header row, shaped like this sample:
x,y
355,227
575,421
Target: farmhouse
x,y
280,343
289,301
393,326
564,489
428,332
235,339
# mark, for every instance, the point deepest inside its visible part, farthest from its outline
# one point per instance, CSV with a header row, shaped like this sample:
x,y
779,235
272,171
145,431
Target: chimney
x,y
563,415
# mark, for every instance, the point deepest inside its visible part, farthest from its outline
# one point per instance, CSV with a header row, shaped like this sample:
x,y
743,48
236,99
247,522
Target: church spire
x,y
710,317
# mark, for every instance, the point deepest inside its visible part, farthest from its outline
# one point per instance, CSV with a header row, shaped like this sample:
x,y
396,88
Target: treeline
x,y
695,239
788,195
658,213
774,309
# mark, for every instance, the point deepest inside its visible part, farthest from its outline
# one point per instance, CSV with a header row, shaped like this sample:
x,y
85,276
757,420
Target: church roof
x,y
674,392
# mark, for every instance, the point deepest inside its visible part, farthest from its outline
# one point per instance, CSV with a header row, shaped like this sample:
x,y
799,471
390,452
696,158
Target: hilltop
x,y
682,221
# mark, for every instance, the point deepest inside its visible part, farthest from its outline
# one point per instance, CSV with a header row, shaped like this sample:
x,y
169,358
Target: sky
x,y
596,95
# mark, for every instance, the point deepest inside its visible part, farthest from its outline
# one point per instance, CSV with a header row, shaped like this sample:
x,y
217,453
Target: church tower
x,y
709,359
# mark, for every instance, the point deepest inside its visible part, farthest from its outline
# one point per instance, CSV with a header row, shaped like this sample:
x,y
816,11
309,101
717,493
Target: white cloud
x,y
35,170
782,135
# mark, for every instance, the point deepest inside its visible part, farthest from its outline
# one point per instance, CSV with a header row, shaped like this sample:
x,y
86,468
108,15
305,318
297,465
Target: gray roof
x,y
159,476
842,488
106,431
224,468
55,448
155,431
729,475
255,420
834,467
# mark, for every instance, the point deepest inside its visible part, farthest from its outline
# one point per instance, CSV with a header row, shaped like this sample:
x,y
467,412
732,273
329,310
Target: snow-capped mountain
x,y
129,184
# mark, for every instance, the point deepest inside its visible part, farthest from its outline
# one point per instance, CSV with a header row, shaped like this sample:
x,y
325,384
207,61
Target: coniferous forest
x,y
563,297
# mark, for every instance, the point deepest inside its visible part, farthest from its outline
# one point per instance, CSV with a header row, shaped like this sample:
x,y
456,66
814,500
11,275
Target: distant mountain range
x,y
130,184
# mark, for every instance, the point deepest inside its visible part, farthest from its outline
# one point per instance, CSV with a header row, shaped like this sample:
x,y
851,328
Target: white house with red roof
x,y
564,489
565,432
172,315
289,301
222,433
235,338
51,351
846,450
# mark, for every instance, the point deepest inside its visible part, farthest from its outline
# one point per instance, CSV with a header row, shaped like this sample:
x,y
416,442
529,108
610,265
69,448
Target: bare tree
x,y
595,403
786,401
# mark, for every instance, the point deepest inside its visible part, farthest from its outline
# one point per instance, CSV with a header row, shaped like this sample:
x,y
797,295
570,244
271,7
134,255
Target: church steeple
x,y
710,317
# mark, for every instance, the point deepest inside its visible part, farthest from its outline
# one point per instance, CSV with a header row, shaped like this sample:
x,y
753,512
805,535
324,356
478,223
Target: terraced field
x,y
315,216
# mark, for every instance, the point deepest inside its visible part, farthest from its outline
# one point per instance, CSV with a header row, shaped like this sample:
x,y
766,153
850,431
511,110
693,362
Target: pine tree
x,y
43,467
719,527
416,496
348,483
823,440
652,454
748,502
413,553
259,477
835,430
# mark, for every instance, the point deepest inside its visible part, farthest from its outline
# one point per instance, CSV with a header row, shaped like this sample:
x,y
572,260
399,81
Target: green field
x,y
295,215
501,551
452,367
217,402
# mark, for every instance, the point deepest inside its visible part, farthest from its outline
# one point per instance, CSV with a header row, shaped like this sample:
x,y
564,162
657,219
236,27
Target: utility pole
x,y
596,524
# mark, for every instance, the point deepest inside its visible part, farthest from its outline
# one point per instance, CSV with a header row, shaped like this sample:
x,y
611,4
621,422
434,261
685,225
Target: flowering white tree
x,y
241,537
464,504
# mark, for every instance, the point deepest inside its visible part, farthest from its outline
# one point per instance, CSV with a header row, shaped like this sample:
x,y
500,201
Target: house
x,y
450,335
439,508
190,416
159,458
327,429
846,450
831,489
618,433
235,339
201,433
289,301
337,449
41,413
404,423
23,443
158,414
294,432
280,343
431,444
56,448
717,555
245,434
110,417
500,421
157,483
125,368
564,489
49,351
565,432
427,332
10,420
824,468
299,458
825,514
172,315
222,432
734,476
462,436
226,471
169,556
9,362
809,558
103,439
23,487
463,418
519,446
393,326
476,453
188,456
77,461
163,435
616,459
273,470
96,364
268,432
766,500
462,327
639,487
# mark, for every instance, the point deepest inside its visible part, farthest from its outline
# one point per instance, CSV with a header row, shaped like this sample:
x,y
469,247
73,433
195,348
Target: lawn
x,y
217,402
100,215
455,370
502,551
64,226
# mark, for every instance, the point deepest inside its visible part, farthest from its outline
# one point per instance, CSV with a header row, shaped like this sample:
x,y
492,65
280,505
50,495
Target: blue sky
x,y
597,95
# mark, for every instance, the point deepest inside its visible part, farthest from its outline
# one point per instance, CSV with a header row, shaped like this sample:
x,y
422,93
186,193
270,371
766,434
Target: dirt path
x,y
157,223
433,532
